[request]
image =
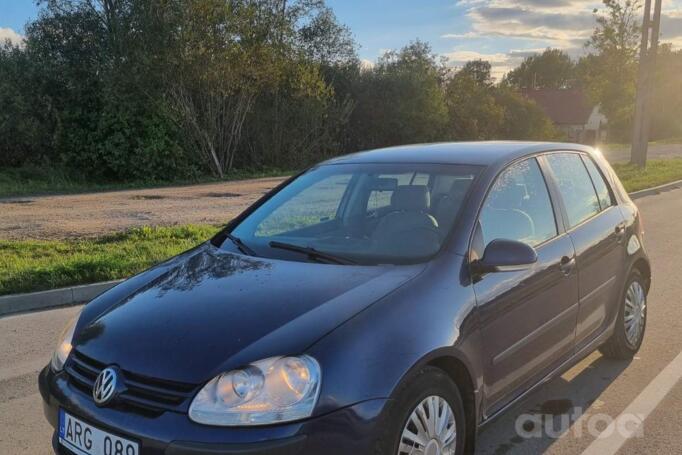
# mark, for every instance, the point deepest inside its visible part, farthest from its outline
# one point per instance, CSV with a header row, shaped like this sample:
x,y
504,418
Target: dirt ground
x,y
93,214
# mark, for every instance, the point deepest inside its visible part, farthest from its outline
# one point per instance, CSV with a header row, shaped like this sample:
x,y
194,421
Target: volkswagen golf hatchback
x,y
386,302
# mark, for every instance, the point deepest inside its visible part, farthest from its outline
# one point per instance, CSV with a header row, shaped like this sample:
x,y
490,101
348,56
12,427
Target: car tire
x,y
425,385
618,346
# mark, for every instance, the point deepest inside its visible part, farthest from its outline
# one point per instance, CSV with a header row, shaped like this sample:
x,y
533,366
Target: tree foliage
x,y
553,68
400,99
479,110
666,119
610,71
161,89
475,113
23,116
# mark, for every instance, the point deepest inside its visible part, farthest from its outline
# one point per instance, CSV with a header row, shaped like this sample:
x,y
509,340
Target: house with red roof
x,y
571,112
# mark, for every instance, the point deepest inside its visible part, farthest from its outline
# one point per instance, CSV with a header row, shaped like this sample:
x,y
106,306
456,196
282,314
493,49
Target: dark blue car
x,y
386,302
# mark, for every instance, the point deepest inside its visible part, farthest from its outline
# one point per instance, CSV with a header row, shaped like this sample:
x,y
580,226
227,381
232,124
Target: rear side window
x,y
600,185
575,186
518,206
381,197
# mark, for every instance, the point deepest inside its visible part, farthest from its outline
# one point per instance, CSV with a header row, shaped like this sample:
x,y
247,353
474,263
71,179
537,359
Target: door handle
x,y
567,264
620,231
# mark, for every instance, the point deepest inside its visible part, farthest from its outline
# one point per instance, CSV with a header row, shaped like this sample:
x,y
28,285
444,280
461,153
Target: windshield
x,y
359,213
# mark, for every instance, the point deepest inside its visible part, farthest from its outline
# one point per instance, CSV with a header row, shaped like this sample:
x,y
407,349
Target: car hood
x,y
210,310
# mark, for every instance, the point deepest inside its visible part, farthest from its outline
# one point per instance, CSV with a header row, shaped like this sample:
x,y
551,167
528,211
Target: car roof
x,y
483,153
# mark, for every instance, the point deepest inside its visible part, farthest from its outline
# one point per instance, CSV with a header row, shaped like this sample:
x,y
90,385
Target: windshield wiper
x,y
311,252
241,245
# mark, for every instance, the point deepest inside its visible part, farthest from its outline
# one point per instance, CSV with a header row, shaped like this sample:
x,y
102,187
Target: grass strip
x,y
657,172
35,265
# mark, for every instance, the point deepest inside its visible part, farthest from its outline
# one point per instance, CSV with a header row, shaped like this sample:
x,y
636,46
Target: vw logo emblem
x,y
105,386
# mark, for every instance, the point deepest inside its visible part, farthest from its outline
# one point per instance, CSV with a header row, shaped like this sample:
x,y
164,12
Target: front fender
x,y
430,318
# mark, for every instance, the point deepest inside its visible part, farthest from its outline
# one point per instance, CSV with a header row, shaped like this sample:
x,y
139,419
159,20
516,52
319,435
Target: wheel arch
x,y
458,371
642,265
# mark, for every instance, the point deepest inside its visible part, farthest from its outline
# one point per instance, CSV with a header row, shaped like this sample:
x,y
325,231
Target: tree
x,y
400,100
480,110
304,117
551,69
96,98
523,119
666,119
228,53
474,113
160,89
617,31
68,43
323,39
478,71
610,73
23,136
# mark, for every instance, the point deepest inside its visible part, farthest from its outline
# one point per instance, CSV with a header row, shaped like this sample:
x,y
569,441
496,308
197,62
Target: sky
x,y
500,31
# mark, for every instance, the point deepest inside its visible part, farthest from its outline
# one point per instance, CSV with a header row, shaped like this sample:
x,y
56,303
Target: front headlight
x,y
274,390
61,353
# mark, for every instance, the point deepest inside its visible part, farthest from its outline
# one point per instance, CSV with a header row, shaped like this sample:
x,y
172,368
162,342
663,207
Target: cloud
x,y
523,53
366,64
517,29
553,23
671,25
554,28
500,62
461,35
460,57
545,3
9,34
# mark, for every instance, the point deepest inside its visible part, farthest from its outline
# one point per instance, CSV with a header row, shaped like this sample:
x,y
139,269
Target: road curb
x,y
19,303
54,298
656,189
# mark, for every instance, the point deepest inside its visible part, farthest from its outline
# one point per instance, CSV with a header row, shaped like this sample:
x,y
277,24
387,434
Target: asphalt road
x,y
603,389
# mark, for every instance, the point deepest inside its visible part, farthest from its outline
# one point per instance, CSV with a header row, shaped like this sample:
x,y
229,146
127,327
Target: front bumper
x,y
349,430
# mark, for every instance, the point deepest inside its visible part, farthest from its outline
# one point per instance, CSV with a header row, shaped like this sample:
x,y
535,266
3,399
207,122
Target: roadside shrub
x,y
523,119
128,144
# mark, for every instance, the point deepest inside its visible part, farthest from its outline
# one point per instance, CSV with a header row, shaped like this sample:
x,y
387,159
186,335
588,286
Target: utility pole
x,y
645,83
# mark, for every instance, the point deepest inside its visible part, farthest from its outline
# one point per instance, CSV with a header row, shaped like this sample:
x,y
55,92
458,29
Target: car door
x,y
527,317
597,228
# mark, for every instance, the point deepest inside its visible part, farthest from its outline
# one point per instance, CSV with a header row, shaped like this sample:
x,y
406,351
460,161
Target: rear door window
x,y
600,184
575,186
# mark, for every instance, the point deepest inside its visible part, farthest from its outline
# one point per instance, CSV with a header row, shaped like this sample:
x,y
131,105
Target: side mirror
x,y
503,255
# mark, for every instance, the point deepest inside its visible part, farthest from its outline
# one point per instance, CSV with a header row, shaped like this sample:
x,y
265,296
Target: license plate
x,y
84,439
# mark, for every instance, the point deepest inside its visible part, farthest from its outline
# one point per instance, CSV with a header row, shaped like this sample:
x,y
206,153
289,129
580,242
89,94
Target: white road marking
x,y
642,406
